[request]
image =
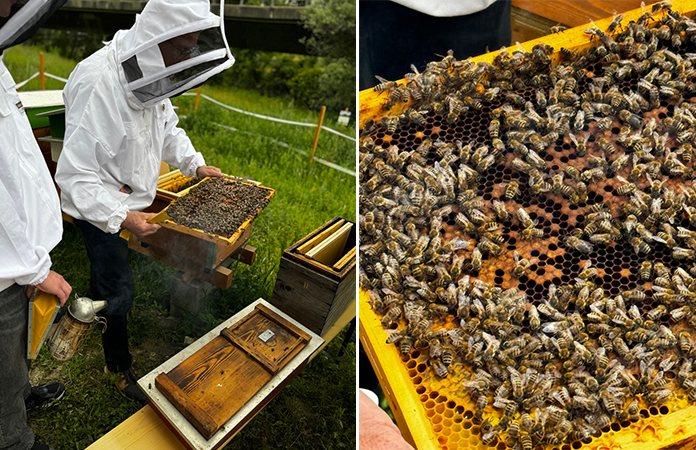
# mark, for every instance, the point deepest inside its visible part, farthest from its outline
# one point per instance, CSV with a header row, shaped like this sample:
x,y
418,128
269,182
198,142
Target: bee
x,y
390,123
524,218
588,271
500,211
579,122
645,271
572,172
525,439
439,368
604,123
606,146
589,174
532,233
464,223
476,259
578,244
494,129
512,190
534,320
627,188
384,85
658,396
521,265
580,144
521,166
489,246
683,253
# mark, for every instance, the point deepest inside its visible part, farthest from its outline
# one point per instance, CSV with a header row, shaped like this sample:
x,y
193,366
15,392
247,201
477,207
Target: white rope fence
x,y
271,118
21,84
241,111
290,147
56,77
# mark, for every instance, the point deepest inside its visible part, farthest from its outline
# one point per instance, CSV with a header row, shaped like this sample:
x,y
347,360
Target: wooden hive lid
x,y
215,384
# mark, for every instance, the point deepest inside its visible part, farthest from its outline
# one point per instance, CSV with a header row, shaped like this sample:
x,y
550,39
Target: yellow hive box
x,y
435,413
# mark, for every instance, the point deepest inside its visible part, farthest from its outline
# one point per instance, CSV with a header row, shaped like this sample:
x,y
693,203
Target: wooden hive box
x,y
197,253
210,390
316,279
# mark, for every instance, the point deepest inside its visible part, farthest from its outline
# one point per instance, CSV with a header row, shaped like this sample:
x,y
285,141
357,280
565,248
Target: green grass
x,y
316,410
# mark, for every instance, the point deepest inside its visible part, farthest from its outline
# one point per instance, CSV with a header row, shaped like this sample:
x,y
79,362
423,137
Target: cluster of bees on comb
x,y
219,205
607,135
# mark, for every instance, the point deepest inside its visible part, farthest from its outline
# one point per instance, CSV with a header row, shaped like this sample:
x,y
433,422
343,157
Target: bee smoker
x,y
73,327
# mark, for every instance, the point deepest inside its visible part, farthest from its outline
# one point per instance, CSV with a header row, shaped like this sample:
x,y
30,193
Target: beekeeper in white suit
x,y
119,125
30,226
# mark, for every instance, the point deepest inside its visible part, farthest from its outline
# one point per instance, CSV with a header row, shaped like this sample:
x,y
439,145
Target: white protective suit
x,y
446,8
119,120
30,223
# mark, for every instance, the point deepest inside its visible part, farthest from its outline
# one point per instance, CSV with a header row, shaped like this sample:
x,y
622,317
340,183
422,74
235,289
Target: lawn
x,y
316,410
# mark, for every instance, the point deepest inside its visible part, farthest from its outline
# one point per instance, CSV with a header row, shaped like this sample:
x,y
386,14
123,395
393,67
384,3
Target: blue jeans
x,y
112,280
15,434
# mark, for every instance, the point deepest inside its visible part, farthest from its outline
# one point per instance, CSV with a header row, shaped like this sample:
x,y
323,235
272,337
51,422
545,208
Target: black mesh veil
x,y
24,19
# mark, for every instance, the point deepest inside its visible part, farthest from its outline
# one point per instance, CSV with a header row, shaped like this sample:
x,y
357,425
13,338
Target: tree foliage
x,y
332,23
332,26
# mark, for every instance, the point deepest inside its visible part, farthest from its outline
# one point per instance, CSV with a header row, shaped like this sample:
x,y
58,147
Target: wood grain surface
x,y
577,12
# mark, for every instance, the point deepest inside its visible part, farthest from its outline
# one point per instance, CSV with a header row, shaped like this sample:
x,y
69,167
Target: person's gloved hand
x,y
377,431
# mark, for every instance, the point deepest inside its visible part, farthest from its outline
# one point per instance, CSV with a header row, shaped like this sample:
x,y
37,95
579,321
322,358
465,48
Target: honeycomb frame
x,y
434,419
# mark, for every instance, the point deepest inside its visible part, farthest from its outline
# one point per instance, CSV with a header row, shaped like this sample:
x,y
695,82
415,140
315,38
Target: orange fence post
x,y
42,77
316,135
198,97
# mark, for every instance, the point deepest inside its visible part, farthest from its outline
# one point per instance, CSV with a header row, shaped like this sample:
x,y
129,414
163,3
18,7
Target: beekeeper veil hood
x,y
174,45
26,16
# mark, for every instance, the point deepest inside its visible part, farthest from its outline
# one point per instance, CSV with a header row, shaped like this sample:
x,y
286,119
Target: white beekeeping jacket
x,y
446,8
119,120
30,220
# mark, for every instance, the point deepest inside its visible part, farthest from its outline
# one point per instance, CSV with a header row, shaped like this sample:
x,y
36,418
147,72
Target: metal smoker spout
x,y
85,309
